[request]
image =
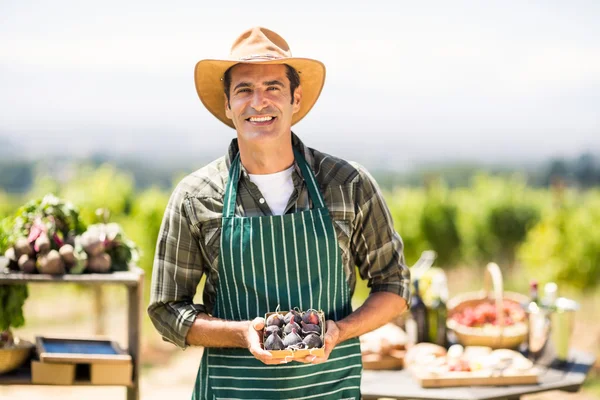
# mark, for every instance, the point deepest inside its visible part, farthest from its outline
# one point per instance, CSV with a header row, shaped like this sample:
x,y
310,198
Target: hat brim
x,y
208,77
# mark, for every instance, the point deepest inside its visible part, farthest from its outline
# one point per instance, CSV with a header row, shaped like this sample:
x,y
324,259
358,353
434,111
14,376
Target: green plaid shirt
x,y
189,239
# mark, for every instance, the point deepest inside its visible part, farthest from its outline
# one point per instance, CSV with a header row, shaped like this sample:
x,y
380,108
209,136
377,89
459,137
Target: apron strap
x,y
234,177
311,182
231,191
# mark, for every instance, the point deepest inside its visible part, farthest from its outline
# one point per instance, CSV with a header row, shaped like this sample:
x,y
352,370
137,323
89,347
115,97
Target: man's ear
x,y
227,108
297,99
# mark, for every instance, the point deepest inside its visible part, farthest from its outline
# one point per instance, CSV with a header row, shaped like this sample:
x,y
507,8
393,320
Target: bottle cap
x,y
550,292
533,284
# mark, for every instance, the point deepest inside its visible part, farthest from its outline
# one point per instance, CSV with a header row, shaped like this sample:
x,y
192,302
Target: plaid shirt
x,y
189,239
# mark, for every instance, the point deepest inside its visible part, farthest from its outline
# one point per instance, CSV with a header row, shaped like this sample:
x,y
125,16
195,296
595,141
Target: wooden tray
x,y
475,378
393,360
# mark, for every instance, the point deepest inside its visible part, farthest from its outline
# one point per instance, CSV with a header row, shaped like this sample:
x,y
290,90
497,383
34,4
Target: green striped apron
x,y
289,261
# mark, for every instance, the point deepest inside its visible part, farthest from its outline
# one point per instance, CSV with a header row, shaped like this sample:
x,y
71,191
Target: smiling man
x,y
271,224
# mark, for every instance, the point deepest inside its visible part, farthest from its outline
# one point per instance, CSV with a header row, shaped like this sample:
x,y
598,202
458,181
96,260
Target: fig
x,y
100,263
292,315
308,328
275,319
26,264
274,342
292,339
22,246
271,329
312,341
290,327
42,244
51,263
311,317
67,254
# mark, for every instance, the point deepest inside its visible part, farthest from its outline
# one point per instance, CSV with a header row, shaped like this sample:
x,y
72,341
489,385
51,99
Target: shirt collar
x,y
296,142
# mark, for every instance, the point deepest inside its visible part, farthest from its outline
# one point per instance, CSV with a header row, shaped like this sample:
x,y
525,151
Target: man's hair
x,y
290,72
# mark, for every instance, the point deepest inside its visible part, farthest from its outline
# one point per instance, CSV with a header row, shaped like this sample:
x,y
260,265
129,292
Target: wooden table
x,y
133,280
567,377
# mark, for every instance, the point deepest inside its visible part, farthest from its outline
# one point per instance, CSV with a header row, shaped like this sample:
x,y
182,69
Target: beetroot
x,y
27,264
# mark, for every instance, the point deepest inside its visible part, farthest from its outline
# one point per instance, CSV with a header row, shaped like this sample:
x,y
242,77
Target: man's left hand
x,y
332,335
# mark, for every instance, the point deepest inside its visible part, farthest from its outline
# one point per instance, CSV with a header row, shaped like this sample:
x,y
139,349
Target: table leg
x,y
134,330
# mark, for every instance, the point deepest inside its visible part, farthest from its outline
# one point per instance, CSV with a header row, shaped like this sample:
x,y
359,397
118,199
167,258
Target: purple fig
x,y
275,319
271,329
290,327
312,341
311,317
292,339
308,328
292,316
274,342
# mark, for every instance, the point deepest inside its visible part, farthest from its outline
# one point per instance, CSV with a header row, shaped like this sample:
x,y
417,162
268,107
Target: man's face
x,y
260,104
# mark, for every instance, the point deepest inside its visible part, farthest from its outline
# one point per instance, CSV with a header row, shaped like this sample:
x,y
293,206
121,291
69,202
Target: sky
x,y
406,81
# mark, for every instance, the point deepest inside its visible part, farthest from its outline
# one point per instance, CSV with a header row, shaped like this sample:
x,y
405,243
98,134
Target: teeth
x,y
260,119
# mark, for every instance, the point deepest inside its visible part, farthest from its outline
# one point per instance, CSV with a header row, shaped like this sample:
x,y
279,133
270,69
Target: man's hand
x,y
332,335
254,340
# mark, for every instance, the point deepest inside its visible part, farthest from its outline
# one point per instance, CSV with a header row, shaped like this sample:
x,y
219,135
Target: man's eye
x,y
246,90
272,88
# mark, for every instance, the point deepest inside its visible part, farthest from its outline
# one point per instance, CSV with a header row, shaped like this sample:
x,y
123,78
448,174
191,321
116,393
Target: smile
x,y
260,119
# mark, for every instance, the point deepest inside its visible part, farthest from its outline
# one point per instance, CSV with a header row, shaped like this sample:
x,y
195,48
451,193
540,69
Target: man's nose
x,y
259,101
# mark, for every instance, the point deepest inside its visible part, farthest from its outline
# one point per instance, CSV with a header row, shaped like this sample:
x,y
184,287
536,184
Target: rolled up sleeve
x,y
377,247
176,272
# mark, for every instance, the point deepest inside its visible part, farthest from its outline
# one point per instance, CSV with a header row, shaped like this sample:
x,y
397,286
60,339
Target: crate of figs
x,y
295,333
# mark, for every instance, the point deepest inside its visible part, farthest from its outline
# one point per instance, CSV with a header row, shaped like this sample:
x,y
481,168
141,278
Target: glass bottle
x,y
438,312
418,311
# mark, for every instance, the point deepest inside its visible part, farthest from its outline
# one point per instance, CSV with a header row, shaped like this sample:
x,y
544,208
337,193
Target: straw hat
x,y
257,46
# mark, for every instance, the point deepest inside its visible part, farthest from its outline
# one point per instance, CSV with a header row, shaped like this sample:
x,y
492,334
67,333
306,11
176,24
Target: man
x,y
273,224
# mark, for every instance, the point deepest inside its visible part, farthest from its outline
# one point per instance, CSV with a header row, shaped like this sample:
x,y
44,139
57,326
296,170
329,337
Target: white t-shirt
x,y
276,189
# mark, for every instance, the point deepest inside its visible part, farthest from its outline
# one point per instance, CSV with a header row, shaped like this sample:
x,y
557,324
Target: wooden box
x,y
104,361
291,354
52,373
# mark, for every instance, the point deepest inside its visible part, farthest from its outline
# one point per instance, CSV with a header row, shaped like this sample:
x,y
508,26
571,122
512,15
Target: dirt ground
x,y
168,373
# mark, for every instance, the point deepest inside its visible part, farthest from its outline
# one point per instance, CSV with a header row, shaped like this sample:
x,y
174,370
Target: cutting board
x,y
393,360
475,378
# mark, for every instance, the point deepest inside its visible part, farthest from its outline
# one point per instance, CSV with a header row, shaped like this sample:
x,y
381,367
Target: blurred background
x,y
479,120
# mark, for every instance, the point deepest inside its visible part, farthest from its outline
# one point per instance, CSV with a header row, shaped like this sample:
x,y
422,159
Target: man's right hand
x,y
254,340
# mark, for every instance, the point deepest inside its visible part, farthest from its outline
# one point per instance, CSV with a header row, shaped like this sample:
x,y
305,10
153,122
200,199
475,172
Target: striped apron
x,y
289,261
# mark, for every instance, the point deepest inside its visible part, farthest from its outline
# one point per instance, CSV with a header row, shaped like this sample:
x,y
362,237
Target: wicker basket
x,y
13,357
498,336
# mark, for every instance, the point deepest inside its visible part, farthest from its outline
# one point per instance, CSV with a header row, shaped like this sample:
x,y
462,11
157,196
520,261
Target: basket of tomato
x,y
490,317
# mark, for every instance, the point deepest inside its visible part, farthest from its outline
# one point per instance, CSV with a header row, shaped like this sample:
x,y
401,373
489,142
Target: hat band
x,y
260,57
